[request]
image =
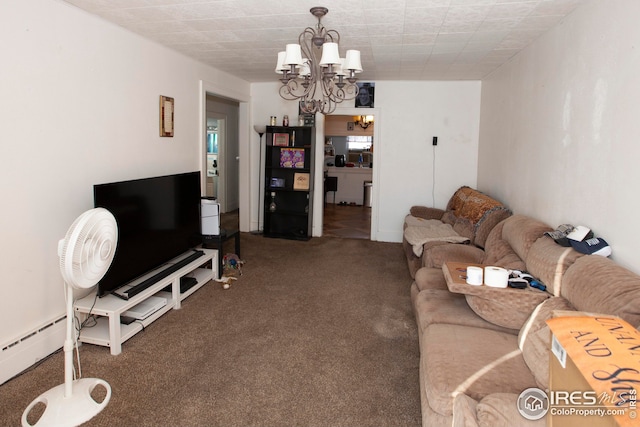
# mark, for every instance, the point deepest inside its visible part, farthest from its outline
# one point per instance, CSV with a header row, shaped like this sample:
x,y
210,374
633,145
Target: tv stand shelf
x,y
110,332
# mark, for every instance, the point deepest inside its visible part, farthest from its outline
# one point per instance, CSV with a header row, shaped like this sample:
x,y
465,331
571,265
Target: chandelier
x,y
364,121
312,71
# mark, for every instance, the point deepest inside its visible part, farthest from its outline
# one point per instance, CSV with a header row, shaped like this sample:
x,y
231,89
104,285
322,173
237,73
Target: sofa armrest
x,y
465,411
426,212
494,410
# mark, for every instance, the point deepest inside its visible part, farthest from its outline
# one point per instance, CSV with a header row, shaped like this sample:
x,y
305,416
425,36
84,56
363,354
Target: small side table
x,y
217,242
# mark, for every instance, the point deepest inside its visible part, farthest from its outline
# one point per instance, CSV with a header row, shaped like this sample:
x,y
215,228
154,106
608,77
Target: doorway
x,y
221,152
347,210
352,222
216,140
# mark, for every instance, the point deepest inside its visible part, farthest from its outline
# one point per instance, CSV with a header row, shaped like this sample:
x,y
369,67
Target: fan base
x,y
69,411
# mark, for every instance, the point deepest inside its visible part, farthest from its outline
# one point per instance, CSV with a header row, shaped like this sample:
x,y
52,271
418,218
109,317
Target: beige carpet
x,y
317,333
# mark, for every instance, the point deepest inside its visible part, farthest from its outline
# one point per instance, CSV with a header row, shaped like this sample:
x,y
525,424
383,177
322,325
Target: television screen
x,y
158,219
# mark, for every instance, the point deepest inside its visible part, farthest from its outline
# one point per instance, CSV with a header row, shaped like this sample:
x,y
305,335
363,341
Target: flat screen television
x,y
158,219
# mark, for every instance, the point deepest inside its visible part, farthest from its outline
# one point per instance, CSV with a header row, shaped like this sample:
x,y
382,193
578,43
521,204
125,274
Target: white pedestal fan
x,y
85,255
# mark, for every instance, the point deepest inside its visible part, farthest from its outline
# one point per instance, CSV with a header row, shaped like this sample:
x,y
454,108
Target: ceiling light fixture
x,y
312,71
364,121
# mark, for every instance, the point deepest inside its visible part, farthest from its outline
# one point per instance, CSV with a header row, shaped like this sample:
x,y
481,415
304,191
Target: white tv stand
x,y
110,332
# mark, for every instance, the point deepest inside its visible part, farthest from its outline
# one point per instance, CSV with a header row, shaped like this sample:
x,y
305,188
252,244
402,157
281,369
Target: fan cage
x,y
88,248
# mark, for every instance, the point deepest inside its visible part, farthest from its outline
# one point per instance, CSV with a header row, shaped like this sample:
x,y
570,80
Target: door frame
x,y
378,143
206,87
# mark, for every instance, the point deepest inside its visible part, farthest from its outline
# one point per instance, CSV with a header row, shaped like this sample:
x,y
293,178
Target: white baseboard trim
x,y
393,236
31,347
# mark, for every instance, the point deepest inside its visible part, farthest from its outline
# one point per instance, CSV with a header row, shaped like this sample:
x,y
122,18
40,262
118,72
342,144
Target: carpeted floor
x,y
317,333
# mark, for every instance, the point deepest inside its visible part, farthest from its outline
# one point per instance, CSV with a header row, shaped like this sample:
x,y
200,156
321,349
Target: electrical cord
x,y
77,373
433,179
90,321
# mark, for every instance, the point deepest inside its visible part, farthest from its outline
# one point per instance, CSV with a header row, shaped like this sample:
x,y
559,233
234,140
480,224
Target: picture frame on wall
x,y
308,119
166,116
366,93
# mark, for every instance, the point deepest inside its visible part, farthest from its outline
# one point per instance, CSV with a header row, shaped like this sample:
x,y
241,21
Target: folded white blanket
x,y
420,231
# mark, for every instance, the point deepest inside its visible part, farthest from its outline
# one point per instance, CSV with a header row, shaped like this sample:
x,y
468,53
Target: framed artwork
x,y
351,125
292,158
166,116
366,92
309,119
281,139
300,181
277,182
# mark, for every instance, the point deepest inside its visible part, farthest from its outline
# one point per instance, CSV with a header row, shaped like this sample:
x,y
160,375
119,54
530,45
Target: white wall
x,y
414,112
79,106
559,135
408,115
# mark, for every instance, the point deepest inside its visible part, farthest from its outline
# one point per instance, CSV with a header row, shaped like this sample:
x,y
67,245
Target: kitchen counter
x,y
345,169
350,183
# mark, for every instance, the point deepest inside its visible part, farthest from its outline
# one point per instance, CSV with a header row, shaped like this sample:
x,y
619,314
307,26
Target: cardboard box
x,y
594,372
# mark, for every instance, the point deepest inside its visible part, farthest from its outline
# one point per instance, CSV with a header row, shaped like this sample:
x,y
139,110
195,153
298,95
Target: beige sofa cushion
x,y
548,261
426,212
534,339
476,361
441,306
464,411
521,232
430,278
499,252
597,284
436,256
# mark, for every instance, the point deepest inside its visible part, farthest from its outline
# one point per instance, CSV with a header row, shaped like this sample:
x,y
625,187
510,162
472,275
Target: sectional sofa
x,y
480,350
468,218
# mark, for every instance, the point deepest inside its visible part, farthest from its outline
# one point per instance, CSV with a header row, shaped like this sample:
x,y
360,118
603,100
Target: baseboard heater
x,y
31,347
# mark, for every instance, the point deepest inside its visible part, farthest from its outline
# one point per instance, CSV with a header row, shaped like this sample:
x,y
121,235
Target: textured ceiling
x,y
398,39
